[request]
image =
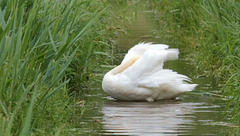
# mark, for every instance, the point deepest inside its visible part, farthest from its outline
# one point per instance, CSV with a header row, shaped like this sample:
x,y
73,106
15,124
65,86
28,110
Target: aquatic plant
x,y
211,30
38,42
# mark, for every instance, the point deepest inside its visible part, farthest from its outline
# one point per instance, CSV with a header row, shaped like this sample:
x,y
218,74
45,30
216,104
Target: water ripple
x,y
144,118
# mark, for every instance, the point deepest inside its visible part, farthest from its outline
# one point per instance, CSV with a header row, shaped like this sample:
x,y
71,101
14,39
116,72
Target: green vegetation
x,y
49,49
210,30
46,49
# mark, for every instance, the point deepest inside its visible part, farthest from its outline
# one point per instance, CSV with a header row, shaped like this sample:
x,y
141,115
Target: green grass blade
x,y
23,97
52,40
28,118
3,125
7,27
4,109
2,20
101,53
59,74
30,21
80,33
55,90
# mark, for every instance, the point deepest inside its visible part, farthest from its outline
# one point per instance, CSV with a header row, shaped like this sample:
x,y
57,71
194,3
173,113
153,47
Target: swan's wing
x,y
139,49
168,78
148,71
150,62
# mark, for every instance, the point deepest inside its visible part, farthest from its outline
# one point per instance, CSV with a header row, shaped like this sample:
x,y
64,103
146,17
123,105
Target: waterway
x,y
195,113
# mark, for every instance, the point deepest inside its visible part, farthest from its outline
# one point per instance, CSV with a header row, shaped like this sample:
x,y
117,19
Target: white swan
x,y
141,77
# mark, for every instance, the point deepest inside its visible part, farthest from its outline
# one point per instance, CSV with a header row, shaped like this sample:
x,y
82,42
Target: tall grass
x,y
38,42
210,30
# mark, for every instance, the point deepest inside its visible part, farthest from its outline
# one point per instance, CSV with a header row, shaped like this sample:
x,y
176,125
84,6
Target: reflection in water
x,y
151,118
145,118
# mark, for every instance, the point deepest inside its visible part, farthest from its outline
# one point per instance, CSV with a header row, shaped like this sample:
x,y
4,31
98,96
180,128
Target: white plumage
x,y
141,77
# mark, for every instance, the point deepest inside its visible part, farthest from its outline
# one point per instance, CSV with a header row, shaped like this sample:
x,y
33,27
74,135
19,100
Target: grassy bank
x,y
210,30
46,49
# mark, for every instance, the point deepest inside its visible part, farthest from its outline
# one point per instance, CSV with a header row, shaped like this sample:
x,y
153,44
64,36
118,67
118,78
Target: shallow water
x,y
194,113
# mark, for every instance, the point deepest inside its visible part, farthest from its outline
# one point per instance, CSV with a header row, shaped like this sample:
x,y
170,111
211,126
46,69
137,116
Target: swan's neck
x,y
125,65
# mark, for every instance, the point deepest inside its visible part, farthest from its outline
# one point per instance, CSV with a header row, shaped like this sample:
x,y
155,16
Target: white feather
x,y
141,76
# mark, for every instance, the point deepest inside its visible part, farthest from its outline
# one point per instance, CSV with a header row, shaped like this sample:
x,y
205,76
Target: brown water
x,y
194,113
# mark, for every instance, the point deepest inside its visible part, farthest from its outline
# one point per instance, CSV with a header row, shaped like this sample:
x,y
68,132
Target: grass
x,y
45,46
50,49
210,30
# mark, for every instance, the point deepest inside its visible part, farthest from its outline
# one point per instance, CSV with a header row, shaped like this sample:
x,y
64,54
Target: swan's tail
x,y
172,54
188,87
169,79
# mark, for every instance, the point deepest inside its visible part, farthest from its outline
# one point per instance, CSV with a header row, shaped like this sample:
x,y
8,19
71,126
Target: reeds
x,y
211,30
38,41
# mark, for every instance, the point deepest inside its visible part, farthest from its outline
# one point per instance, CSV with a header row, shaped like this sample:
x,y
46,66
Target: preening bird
x,y
141,77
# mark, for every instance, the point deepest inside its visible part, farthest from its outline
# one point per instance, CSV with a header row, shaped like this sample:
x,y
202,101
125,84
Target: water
x,y
194,113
